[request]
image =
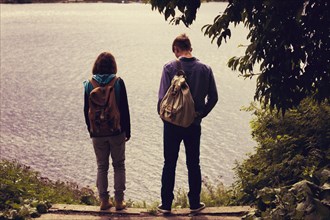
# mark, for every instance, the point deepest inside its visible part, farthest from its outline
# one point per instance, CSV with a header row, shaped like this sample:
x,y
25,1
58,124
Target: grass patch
x,y
213,195
24,193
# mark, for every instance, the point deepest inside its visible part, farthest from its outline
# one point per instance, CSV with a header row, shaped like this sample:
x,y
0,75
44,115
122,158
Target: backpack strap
x,y
113,81
94,83
180,71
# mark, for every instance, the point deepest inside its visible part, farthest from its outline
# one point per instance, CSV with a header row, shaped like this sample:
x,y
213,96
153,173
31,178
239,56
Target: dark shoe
x,y
120,205
199,208
163,210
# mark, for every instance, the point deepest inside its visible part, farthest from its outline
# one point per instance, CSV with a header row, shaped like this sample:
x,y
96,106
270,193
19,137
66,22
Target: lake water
x,y
47,51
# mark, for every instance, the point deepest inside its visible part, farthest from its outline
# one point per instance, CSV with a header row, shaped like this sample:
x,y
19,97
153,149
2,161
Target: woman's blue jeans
x,y
173,135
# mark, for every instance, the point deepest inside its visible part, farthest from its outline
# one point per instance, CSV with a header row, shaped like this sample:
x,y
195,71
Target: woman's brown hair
x,y
105,63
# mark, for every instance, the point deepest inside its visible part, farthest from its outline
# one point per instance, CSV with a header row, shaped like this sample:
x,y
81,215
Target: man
x,y
204,92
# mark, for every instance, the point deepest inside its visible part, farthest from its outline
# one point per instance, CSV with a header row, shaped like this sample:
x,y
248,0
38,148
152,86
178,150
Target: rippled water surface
x,y
47,51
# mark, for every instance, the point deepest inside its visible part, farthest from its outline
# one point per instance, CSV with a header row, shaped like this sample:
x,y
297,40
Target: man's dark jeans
x,y
173,135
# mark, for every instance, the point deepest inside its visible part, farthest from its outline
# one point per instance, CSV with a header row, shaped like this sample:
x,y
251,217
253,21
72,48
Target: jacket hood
x,y
100,78
103,78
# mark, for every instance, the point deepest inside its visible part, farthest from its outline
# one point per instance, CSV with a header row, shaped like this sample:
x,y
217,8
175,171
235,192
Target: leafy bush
x,y
291,150
24,193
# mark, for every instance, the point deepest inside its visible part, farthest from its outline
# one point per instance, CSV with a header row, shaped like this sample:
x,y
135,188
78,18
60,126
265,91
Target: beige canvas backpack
x,y
177,106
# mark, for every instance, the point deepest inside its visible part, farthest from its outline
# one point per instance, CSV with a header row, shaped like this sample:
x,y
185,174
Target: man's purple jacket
x,y
200,80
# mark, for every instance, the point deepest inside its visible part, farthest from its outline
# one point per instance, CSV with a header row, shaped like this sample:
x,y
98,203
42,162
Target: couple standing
x,y
204,92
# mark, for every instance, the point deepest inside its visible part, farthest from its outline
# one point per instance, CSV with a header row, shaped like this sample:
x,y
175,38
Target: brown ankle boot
x,y
105,204
120,205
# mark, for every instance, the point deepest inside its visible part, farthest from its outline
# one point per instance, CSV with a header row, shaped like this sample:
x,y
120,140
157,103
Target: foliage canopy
x,y
290,149
293,155
288,50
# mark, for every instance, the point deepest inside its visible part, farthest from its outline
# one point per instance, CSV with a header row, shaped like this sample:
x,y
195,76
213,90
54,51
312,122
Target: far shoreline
x,y
67,1
84,1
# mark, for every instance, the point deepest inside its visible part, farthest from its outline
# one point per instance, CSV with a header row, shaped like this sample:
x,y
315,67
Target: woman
x,y
104,72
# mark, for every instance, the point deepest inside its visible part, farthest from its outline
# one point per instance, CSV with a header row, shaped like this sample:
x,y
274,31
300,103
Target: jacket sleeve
x,y
86,104
125,121
212,96
165,83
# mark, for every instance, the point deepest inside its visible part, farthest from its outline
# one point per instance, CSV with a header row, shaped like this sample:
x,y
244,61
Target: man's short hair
x,y
182,42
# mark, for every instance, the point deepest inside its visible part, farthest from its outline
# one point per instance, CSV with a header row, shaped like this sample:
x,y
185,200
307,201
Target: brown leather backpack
x,y
103,113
